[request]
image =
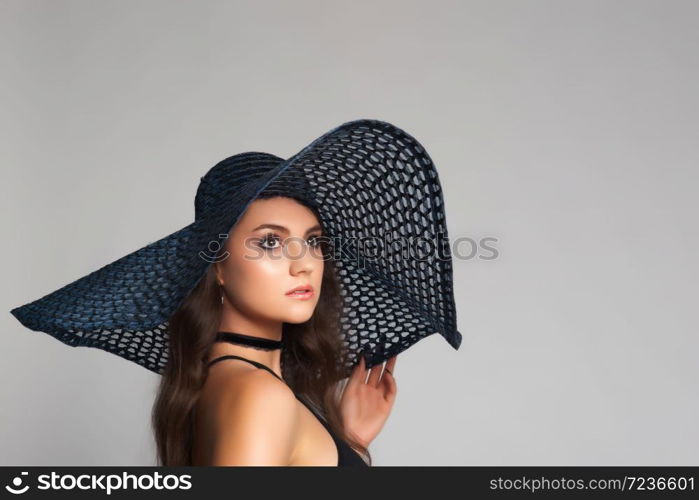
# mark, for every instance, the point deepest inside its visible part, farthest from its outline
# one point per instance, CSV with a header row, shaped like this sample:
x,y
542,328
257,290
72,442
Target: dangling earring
x,y
221,286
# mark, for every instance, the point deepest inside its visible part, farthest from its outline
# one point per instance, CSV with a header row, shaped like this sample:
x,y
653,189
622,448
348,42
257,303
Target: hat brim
x,y
368,179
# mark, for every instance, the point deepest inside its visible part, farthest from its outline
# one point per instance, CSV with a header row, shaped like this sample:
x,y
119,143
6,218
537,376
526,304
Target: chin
x,y
299,318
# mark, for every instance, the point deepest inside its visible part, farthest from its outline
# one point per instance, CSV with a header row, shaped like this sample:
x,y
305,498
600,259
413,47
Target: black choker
x,y
249,340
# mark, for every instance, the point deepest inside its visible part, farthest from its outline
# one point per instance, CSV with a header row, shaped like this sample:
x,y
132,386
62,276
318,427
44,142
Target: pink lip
x,y
302,296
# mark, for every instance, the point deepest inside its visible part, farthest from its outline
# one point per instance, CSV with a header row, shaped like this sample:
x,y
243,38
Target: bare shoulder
x,y
255,418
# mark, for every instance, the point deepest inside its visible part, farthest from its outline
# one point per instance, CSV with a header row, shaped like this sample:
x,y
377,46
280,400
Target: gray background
x,y
567,130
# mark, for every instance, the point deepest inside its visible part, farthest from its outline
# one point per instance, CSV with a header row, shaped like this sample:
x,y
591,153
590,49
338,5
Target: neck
x,y
253,341
263,349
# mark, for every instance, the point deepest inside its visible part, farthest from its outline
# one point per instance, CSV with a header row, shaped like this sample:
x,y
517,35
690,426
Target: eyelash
x,y
267,237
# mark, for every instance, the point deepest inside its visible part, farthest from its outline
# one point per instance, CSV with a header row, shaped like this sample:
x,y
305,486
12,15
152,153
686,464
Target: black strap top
x,y
346,455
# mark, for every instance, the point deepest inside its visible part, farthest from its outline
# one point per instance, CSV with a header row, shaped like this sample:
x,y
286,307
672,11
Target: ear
x,y
218,273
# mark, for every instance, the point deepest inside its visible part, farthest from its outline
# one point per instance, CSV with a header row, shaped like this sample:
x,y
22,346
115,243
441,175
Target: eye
x,y
316,241
271,237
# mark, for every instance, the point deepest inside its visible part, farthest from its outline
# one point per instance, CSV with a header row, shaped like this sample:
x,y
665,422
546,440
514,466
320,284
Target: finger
x,y
375,375
389,367
391,364
359,373
389,385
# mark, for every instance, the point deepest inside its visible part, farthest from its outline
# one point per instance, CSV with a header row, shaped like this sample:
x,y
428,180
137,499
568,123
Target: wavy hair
x,y
312,360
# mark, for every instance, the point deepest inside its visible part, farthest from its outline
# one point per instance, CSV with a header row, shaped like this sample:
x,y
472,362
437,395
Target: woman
x,y
250,374
244,415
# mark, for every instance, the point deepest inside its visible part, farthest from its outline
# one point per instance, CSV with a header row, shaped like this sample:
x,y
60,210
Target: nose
x,y
300,256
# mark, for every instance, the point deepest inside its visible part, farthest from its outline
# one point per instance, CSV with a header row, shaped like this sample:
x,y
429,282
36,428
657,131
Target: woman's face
x,y
272,249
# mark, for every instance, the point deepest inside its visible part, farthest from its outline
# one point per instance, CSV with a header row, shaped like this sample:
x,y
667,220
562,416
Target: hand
x,y
365,406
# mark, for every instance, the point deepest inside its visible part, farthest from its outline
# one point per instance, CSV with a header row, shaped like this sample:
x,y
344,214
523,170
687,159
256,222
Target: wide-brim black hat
x,y
371,183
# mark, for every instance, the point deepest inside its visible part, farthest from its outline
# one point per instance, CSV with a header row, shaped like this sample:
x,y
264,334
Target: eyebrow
x,y
284,229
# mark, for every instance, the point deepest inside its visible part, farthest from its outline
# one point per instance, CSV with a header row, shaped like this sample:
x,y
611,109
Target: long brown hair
x,y
313,361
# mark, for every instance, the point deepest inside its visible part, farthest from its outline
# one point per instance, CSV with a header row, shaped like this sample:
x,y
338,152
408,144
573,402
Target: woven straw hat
x,y
369,181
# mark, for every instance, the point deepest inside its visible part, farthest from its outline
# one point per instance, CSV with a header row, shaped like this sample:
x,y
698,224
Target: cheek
x,y
260,275
318,274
